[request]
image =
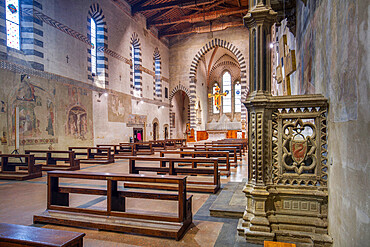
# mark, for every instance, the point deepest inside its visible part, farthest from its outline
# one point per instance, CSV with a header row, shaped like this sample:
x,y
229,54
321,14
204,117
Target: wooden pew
x,y
172,166
241,141
159,145
223,157
113,147
125,149
100,156
115,217
70,162
239,147
18,235
9,169
232,151
143,148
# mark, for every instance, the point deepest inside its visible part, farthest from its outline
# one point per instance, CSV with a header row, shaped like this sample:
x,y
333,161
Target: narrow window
x,y
158,86
136,71
238,97
12,24
226,88
93,46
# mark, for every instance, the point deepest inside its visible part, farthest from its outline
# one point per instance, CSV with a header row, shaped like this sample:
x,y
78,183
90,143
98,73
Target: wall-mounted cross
x,y
217,97
287,64
67,58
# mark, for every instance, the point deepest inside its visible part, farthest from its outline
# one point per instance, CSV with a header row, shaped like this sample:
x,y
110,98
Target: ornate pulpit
x,y
287,194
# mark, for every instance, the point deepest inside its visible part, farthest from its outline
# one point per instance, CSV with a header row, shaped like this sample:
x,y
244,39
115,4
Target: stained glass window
x,y
238,97
12,24
215,110
226,88
157,65
93,46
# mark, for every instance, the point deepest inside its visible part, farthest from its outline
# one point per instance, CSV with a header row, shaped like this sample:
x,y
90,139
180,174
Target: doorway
x,y
138,134
155,131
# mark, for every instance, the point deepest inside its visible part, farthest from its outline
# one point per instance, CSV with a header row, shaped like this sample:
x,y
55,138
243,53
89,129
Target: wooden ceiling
x,y
177,17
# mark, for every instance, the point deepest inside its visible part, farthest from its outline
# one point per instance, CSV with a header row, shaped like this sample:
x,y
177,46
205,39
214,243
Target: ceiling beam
x,y
203,29
139,4
201,17
177,3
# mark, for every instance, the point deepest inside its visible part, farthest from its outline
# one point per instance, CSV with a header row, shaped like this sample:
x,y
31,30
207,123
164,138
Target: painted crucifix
x,y
217,97
287,63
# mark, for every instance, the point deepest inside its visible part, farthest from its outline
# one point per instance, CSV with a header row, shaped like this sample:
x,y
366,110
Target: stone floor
x,y
20,200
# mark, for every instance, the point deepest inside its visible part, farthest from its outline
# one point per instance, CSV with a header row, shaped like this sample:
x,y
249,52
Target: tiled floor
x,y
20,200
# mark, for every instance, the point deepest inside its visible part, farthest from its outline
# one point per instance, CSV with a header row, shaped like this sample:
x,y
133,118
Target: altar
x,y
218,130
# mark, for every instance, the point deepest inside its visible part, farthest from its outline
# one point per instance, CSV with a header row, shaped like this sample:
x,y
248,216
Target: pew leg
x,y
117,203
57,198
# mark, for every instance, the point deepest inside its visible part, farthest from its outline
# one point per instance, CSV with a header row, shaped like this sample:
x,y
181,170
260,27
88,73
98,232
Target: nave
x,y
29,198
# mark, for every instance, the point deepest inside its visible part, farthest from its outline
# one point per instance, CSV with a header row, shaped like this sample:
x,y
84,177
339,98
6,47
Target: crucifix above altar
x,y
217,97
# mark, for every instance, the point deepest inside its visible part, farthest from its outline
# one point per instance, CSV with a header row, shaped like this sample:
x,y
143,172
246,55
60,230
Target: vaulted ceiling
x,y
176,17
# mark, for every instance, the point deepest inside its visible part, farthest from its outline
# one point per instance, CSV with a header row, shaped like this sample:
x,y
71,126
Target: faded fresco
x,y
34,97
119,107
135,119
78,121
332,72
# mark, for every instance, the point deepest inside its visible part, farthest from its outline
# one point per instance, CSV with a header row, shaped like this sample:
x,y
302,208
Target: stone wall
x,y
63,60
332,59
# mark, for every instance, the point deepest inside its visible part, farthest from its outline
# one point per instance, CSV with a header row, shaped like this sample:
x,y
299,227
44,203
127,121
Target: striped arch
x,y
136,78
96,13
157,84
173,92
193,72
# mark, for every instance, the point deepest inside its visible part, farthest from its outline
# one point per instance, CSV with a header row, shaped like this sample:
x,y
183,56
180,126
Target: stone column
x,y
255,225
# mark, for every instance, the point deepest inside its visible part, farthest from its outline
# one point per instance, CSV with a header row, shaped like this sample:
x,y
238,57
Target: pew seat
x,y
18,235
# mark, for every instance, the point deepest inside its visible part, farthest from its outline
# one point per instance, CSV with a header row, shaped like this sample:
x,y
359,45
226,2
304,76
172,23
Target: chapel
x,y
184,123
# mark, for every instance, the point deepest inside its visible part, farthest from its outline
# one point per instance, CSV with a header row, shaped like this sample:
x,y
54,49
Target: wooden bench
x,y
231,140
223,157
116,217
125,149
18,235
9,169
143,148
232,151
93,155
70,162
173,166
113,147
239,147
159,145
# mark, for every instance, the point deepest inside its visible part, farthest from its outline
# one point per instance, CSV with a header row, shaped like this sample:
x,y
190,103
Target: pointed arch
x,y
96,51
173,92
135,54
194,67
157,90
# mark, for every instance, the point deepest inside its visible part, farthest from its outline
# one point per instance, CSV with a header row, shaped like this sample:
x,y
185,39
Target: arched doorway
x,y
180,112
155,124
166,131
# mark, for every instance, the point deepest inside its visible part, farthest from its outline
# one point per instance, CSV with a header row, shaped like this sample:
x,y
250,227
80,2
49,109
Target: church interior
x,y
184,123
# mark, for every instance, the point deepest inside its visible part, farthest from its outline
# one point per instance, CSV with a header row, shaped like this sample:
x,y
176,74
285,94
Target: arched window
x,y
226,88
238,97
93,46
98,36
12,24
157,70
136,60
215,110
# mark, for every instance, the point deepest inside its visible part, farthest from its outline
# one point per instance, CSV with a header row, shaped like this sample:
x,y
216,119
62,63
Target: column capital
x,y
260,14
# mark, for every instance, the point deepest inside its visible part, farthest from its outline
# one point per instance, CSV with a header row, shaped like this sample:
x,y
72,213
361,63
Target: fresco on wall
x,y
33,101
119,107
134,119
333,73
78,120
